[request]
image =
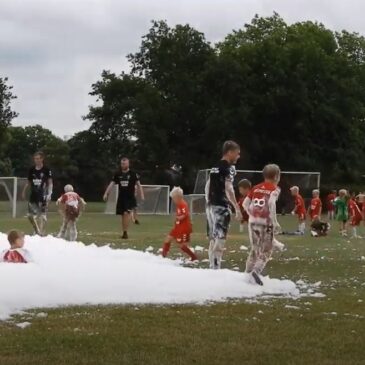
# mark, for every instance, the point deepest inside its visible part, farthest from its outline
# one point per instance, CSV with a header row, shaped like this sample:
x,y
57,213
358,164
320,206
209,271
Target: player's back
x,y
71,198
15,256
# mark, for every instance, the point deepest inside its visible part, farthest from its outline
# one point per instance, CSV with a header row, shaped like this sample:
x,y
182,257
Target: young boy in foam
x,y
355,214
299,209
260,204
315,208
16,254
70,203
183,227
244,187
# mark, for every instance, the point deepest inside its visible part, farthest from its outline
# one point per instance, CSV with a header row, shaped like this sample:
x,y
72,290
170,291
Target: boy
x,y
342,215
355,216
183,228
315,208
244,186
319,228
260,204
330,207
70,205
16,254
299,209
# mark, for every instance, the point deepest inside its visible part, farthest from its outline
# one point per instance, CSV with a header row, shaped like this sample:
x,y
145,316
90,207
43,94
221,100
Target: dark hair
x,y
271,171
124,159
39,153
244,183
13,235
230,146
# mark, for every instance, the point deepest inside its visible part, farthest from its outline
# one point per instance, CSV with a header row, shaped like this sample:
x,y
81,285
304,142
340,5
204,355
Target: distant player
x,y
183,227
244,187
41,188
355,216
71,203
127,181
342,214
315,208
16,254
299,209
330,206
220,195
260,204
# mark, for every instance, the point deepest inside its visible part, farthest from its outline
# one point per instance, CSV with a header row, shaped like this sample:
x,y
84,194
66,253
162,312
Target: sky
x,y
52,51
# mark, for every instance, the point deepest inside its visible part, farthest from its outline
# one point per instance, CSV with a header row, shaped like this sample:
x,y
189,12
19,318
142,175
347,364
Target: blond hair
x,y
176,191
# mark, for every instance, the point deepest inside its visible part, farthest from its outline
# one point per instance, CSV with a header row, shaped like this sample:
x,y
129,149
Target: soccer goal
x,y
307,181
10,196
157,200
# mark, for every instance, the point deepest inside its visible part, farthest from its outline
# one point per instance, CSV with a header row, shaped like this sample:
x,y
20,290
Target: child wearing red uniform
x,y
315,208
299,208
330,206
355,216
260,204
16,254
244,186
71,203
183,227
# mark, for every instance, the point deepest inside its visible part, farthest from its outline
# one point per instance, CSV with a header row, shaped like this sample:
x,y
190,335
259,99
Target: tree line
x,y
289,93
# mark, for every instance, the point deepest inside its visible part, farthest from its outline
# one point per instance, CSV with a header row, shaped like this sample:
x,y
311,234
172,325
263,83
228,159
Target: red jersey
x,y
71,198
183,226
245,216
299,206
315,208
15,256
354,209
262,206
329,200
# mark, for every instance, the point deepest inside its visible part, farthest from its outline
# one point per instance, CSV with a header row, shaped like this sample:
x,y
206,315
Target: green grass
x,y
236,332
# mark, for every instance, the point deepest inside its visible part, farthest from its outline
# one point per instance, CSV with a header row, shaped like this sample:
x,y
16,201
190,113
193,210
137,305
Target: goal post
x,y
157,200
306,180
10,196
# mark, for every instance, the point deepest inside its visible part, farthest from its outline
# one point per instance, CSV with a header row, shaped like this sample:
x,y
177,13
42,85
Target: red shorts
x,y
356,220
301,216
181,236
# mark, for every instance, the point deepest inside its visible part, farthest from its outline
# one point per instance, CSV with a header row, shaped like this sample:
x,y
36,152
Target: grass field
x,y
329,330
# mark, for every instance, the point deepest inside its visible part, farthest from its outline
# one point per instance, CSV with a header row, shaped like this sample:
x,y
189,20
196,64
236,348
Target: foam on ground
x,y
65,273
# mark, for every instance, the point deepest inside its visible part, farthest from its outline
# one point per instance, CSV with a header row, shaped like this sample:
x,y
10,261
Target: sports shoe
x,y
125,235
257,278
137,222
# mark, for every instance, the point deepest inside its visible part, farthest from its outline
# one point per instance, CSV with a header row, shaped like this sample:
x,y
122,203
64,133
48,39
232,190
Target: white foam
x,y
65,273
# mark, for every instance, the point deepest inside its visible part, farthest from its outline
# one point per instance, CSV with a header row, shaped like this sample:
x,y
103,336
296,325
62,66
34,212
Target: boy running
x,y
315,208
244,186
183,228
299,209
260,204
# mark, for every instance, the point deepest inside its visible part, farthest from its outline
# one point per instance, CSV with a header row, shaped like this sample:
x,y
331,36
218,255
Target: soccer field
x,y
328,330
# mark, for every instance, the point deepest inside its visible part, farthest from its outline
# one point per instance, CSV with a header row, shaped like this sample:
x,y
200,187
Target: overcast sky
x,y
53,50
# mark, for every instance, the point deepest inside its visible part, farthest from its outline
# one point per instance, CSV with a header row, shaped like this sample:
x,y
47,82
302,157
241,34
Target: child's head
x,y
315,193
16,238
342,193
177,194
244,186
68,188
294,190
271,173
334,192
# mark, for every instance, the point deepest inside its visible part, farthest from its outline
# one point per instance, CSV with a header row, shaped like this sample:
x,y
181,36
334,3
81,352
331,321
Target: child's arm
x,y
272,209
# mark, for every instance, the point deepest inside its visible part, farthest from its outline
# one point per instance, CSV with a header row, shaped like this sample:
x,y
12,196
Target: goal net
x,y
157,200
307,181
10,196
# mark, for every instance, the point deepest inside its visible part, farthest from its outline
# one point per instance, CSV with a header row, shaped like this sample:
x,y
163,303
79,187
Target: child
x,y
342,214
299,209
244,186
330,206
260,204
319,228
16,254
70,204
315,208
183,228
355,216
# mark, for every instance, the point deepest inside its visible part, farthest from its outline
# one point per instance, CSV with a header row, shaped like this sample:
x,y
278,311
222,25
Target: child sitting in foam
x,y
16,254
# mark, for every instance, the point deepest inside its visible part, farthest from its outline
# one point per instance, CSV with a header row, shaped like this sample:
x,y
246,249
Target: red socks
x,y
166,249
187,250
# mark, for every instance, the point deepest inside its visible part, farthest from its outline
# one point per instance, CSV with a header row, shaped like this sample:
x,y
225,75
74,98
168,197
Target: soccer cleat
x,y
137,222
125,235
257,279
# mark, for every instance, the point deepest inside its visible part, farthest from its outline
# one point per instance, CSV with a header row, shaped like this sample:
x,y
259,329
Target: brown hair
x,y
40,154
13,235
230,146
244,183
271,171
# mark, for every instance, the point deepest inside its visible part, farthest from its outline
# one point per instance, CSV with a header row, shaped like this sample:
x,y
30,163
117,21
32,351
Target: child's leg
x,y
63,228
301,226
184,247
73,230
166,246
265,248
254,252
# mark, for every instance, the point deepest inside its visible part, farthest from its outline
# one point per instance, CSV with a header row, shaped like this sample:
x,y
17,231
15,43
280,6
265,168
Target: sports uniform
x,y
299,207
315,208
15,256
218,210
261,206
126,181
342,214
354,213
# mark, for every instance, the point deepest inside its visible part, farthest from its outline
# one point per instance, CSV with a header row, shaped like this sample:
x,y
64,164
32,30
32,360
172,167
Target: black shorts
x,y
125,205
37,207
